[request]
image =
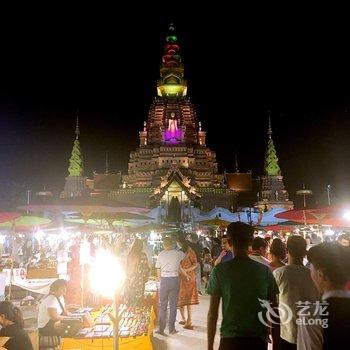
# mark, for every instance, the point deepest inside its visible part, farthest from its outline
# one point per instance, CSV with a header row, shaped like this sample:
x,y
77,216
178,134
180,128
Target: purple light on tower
x,y
173,136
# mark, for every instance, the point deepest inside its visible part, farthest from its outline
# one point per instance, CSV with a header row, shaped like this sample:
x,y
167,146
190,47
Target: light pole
x,y
116,305
28,198
109,282
328,189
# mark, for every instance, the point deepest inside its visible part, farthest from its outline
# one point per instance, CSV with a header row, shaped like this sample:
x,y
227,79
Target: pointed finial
x,y
236,163
77,131
107,163
269,131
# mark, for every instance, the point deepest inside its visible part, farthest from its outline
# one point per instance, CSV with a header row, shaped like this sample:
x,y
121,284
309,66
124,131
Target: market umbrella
x,y
215,222
148,227
119,216
8,216
25,223
85,210
334,216
280,228
100,223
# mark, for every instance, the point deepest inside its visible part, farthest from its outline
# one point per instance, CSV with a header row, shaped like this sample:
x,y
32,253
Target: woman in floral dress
x,y
137,272
188,294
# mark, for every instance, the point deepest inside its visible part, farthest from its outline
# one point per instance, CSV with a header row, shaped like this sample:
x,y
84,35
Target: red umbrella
x,y
279,228
335,216
9,216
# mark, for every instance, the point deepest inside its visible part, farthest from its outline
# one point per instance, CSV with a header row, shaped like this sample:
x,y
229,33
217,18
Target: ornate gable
x,y
174,175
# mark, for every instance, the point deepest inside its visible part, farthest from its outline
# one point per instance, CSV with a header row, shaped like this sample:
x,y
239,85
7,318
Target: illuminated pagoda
x,y
75,185
173,168
272,193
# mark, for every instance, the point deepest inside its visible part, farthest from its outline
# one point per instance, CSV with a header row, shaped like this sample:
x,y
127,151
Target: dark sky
x,y
238,65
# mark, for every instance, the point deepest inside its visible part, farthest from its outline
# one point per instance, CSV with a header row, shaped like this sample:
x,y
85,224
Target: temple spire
x,y
172,82
269,130
76,163
271,160
77,130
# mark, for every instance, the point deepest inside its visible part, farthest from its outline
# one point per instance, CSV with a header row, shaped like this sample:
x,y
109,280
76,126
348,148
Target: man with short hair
x,y
344,240
242,284
226,252
330,270
168,269
259,251
295,287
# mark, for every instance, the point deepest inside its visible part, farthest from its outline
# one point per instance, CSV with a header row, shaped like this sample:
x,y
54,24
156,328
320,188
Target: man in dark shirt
x,y
226,252
240,283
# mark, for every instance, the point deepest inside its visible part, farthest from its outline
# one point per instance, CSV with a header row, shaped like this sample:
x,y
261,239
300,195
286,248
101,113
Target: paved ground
x,y
195,339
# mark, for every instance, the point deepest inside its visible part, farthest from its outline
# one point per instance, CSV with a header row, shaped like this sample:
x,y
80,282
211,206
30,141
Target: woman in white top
x,y
51,311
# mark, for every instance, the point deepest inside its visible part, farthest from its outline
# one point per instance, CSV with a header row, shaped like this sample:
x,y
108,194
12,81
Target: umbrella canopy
x,y
149,227
334,216
26,223
119,216
280,228
215,222
99,223
85,210
9,216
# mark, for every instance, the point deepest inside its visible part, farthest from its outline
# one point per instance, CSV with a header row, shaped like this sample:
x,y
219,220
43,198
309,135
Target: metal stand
x,y
116,321
12,260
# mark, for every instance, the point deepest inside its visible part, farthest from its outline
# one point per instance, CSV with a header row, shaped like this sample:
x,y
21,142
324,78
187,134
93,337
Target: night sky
x,y
238,66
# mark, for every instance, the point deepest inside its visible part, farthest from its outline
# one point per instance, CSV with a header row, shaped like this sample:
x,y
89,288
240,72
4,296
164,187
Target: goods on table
x,y
28,301
133,322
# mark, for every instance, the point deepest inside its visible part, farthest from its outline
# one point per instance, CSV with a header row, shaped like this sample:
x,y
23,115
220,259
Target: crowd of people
x,y
264,284
273,290
293,303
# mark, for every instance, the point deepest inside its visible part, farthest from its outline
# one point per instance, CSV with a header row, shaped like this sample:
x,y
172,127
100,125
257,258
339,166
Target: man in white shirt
x,y
295,286
168,269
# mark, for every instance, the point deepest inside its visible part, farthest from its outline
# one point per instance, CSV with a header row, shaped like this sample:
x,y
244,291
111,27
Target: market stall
x,y
135,330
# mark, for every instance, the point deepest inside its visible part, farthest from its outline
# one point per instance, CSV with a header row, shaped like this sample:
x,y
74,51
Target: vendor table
x,y
106,343
37,273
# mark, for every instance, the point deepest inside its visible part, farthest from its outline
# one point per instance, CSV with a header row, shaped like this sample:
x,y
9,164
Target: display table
x,y
38,273
92,341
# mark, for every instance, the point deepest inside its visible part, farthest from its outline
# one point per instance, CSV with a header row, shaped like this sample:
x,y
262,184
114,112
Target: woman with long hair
x,y
11,322
137,272
52,310
188,294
